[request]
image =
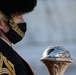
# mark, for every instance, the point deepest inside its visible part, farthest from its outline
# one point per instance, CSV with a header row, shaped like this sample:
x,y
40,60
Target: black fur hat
x,y
16,6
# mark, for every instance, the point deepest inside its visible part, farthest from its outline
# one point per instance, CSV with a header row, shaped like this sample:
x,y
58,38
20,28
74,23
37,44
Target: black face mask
x,y
13,36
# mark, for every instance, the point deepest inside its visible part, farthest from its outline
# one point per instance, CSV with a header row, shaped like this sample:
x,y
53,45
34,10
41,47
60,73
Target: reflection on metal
x,y
56,59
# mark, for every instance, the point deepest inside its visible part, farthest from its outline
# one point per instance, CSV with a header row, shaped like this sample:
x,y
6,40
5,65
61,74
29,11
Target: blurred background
x,y
52,23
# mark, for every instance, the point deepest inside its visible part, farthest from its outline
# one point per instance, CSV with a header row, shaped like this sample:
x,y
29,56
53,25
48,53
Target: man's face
x,y
16,19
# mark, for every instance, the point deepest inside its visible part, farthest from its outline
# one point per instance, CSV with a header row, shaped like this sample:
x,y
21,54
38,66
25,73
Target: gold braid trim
x,y
16,28
5,71
7,63
1,62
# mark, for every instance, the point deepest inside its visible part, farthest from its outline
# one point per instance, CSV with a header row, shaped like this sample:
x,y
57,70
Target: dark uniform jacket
x,y
11,63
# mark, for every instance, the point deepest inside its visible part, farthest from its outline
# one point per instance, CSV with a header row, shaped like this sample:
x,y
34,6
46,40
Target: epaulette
x,y
9,67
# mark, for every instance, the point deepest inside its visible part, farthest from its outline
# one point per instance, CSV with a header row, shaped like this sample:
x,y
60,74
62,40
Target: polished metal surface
x,y
56,59
58,53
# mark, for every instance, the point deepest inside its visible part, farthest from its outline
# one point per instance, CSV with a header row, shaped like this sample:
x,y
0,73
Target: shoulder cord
x,y
7,63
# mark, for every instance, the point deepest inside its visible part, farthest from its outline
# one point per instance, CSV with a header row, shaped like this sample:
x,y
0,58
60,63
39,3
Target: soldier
x,y
12,30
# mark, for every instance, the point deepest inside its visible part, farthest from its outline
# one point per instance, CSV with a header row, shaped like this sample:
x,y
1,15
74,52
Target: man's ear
x,y
4,26
0,23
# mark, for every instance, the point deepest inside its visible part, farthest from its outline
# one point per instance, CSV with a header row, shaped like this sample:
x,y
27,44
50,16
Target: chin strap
x,y
15,27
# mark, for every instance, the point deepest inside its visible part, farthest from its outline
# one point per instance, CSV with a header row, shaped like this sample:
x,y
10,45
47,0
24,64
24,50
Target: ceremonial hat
x,y
9,7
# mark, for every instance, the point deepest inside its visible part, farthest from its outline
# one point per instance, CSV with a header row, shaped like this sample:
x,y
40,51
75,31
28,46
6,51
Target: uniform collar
x,y
6,42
